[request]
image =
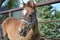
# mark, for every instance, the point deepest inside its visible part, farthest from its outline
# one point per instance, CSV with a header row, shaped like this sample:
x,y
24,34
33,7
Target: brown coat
x,y
10,26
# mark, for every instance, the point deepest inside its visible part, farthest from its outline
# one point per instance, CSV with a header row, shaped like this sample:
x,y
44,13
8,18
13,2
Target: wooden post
x,y
10,14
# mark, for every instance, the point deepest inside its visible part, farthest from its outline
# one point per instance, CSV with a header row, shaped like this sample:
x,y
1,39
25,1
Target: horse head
x,y
28,17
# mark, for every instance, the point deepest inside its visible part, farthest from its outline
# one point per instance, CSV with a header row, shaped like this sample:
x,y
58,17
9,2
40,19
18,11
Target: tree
x,y
48,30
10,5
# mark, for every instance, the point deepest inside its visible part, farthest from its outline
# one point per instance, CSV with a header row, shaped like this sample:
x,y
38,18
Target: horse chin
x,y
21,34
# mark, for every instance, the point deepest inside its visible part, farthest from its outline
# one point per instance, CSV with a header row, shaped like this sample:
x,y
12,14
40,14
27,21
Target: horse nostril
x,y
23,31
30,15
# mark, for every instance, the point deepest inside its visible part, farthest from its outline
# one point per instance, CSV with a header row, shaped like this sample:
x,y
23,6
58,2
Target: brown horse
x,y
24,29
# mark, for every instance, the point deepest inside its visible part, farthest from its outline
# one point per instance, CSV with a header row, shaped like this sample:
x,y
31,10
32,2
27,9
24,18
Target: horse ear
x,y
23,4
32,4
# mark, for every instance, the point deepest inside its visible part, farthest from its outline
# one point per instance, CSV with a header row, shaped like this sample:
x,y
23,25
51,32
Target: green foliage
x,y
44,12
57,15
13,4
48,30
10,5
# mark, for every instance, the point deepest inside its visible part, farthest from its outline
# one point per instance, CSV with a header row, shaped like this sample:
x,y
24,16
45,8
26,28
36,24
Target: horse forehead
x,y
27,10
24,11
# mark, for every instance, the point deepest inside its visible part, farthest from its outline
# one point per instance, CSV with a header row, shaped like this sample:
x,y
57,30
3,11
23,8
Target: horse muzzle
x,y
23,31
